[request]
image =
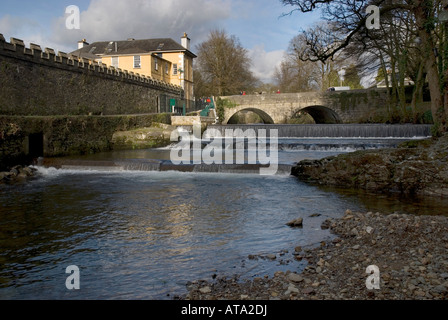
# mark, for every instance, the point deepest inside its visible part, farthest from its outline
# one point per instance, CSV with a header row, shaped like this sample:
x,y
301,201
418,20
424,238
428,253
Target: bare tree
x,y
298,72
299,75
349,18
223,65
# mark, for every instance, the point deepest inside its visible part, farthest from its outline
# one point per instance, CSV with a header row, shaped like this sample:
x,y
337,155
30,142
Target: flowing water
x,y
138,232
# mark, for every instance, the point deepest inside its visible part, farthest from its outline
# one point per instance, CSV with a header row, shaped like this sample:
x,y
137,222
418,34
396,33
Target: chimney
x,y
82,43
185,41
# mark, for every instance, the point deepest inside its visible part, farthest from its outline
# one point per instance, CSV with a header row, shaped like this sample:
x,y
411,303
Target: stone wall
x,y
36,82
59,105
354,106
23,139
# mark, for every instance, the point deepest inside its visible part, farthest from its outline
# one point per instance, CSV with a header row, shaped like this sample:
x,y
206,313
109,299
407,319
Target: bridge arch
x,y
321,114
262,114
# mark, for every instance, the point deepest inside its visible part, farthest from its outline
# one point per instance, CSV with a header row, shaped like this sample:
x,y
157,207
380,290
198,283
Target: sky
x,y
260,25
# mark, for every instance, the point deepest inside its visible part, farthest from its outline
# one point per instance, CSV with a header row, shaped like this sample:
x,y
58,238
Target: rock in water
x,y
295,223
326,224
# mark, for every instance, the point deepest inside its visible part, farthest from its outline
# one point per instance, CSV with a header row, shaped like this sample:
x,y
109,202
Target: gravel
x,y
410,253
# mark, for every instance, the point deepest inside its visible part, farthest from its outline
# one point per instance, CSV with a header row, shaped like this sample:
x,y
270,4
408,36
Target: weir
x,y
158,165
329,138
337,130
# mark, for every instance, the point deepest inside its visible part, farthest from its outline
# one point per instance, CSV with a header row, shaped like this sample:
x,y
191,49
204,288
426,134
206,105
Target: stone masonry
x,y
329,107
36,82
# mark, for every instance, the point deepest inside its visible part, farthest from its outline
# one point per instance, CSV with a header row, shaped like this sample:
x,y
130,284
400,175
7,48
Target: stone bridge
x,y
329,107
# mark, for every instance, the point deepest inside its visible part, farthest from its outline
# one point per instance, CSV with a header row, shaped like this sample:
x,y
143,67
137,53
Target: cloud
x,y
141,19
255,23
26,29
264,63
9,24
12,25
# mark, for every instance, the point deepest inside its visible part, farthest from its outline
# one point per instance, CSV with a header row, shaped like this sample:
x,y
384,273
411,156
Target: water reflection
x,y
393,202
136,234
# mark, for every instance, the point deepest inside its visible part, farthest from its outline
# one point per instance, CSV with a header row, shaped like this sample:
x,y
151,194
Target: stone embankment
x,y
415,167
410,252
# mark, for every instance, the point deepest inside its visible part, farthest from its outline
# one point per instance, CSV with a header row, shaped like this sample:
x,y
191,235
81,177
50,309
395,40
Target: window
x,y
156,63
175,69
167,68
115,62
137,63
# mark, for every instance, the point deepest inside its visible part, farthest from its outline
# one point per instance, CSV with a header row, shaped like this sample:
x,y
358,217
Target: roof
x,y
105,48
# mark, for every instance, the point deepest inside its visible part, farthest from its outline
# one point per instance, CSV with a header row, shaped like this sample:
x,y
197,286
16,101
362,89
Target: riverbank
x,y
411,253
417,167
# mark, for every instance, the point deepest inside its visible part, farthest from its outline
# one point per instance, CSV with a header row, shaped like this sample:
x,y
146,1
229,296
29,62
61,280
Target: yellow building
x,y
161,59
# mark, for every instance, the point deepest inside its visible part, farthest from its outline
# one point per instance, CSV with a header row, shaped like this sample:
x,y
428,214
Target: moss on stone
x,y
416,143
72,135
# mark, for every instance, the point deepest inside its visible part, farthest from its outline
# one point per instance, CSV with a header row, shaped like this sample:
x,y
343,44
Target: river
x,y
144,234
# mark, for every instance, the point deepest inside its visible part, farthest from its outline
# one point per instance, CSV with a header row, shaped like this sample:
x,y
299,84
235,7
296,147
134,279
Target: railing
x,y
208,105
182,107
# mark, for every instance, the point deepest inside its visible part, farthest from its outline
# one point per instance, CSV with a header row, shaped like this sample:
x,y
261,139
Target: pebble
x,y
441,289
308,290
205,290
291,289
294,277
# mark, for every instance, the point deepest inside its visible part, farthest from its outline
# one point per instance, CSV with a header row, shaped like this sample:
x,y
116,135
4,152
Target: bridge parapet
x,y
325,107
